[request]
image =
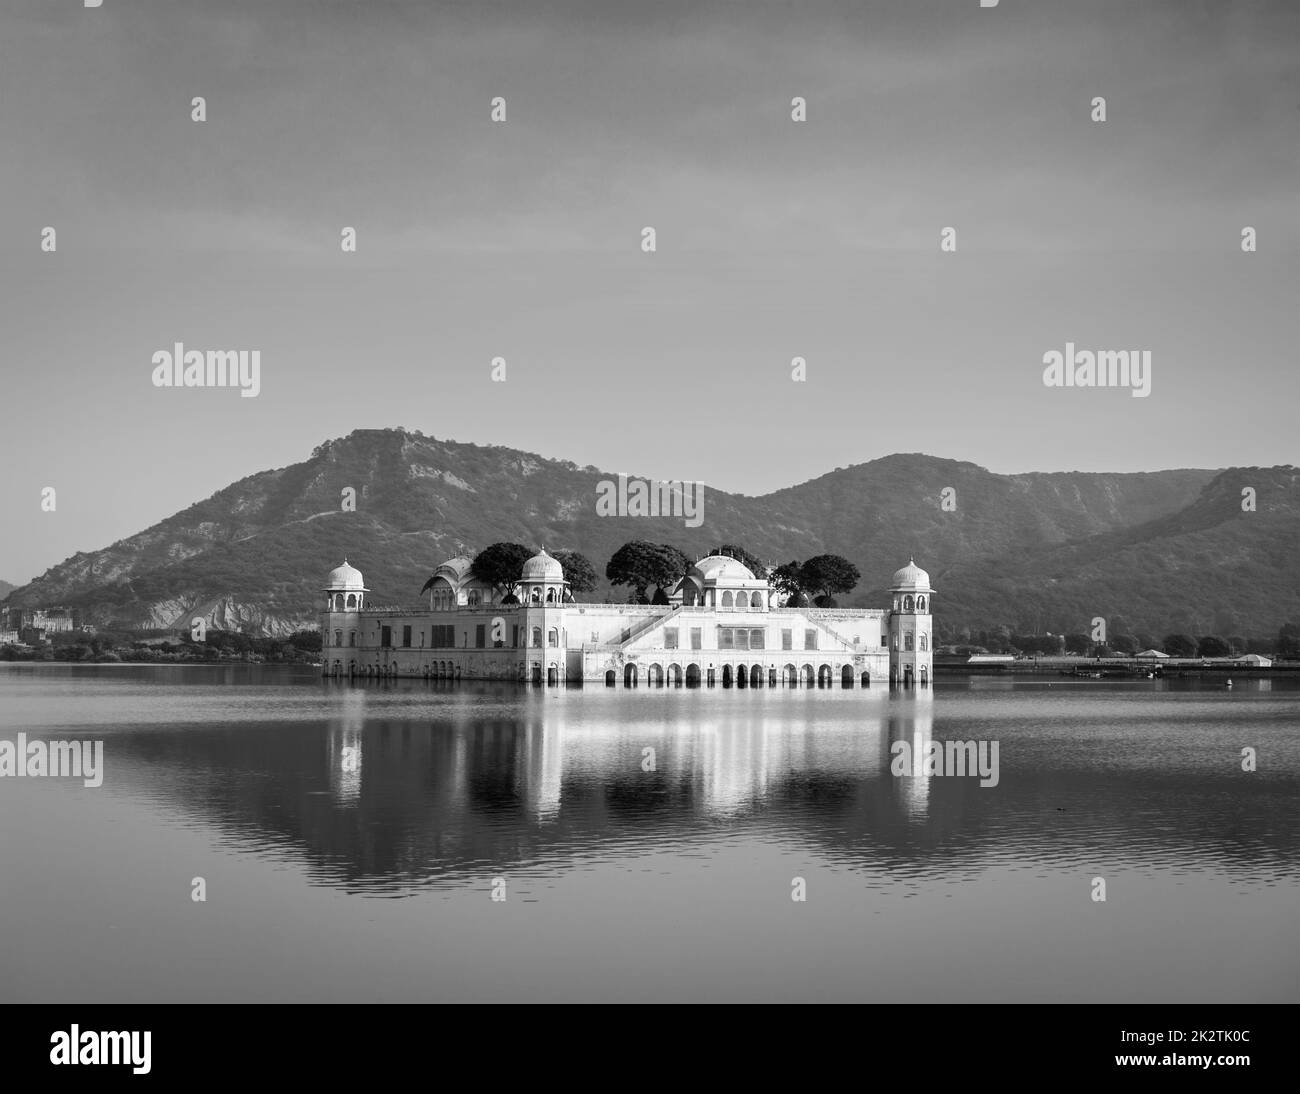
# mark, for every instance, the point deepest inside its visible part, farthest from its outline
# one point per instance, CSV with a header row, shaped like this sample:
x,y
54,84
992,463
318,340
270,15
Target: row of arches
x,y
741,676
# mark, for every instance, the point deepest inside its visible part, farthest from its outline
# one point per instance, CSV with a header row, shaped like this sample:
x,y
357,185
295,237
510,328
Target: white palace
x,y
721,626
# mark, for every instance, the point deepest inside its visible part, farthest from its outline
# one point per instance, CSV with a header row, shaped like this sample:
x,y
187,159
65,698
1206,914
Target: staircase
x,y
656,621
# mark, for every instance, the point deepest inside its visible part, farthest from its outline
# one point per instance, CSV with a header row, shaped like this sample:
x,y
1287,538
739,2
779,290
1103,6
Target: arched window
x,y
352,638
907,603
537,636
352,600
550,596
537,596
552,637
908,640
924,642
338,602
726,600
473,600
338,638
920,603
755,600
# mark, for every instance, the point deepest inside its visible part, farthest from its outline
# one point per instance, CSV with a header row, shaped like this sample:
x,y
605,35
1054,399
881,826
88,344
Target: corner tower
x,y
345,597
911,630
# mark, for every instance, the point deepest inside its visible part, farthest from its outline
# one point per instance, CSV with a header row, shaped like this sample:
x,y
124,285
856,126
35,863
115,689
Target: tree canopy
x,y
827,575
640,564
788,579
578,571
501,565
821,577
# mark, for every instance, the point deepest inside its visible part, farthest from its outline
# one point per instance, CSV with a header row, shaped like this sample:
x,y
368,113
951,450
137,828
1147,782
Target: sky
x,y
522,239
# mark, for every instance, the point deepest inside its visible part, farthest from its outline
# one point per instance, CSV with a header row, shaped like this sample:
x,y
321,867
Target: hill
x,y
1043,551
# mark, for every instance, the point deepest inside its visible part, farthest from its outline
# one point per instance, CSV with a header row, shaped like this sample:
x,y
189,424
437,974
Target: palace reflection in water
x,y
400,787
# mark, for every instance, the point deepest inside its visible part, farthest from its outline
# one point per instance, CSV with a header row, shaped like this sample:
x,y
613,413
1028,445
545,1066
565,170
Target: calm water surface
x,y
349,837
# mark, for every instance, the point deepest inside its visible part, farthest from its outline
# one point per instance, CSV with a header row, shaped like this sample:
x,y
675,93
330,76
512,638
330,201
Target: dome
x,y
722,568
542,567
458,568
911,576
345,577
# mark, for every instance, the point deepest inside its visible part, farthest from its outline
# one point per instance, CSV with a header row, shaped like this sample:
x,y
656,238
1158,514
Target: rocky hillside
x,y
1160,550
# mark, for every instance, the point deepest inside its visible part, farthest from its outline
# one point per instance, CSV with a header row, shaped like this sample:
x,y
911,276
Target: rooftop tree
x,y
578,571
640,564
502,566
826,575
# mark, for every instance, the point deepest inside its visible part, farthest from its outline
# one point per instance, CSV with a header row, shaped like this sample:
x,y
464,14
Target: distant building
x,y
720,627
47,621
1254,660
991,659
1152,654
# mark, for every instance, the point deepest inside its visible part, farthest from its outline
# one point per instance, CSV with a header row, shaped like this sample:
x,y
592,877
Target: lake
x,y
647,845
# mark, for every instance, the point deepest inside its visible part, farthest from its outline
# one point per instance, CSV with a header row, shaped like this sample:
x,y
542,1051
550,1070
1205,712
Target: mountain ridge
x,y
1150,548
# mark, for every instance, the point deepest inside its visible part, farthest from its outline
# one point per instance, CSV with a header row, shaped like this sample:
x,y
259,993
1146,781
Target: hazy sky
x,y
522,239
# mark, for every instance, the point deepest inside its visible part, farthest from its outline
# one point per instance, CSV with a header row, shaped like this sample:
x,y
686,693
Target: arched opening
x,y
474,599
552,675
742,676
846,676
726,676
352,600
755,600
655,675
907,603
537,636
550,596
925,676
925,642
756,676
675,675
537,672
726,599
610,678
338,602
806,676
824,676
692,676
866,679
771,677
629,676
920,604
688,595
338,638
907,640
552,637
790,676
536,598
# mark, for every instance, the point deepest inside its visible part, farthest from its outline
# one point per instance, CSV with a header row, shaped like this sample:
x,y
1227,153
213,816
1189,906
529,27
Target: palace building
x,y
720,627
